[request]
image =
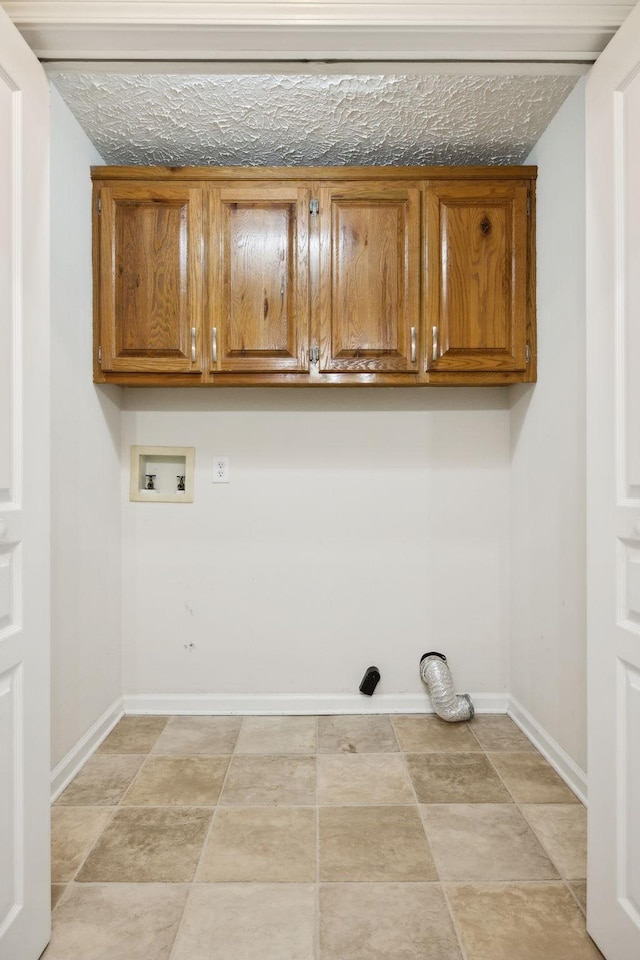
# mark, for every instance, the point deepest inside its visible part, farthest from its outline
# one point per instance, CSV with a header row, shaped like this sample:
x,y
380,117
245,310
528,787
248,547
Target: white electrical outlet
x,y
221,469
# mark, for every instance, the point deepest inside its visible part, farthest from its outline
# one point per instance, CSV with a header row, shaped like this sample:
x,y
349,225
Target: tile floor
x,y
318,838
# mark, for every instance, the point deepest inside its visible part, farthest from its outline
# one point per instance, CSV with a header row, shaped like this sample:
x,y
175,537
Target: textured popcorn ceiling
x,y
311,120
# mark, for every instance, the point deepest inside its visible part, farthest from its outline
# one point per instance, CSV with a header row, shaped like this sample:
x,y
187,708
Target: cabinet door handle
x,y
193,344
214,344
434,336
413,345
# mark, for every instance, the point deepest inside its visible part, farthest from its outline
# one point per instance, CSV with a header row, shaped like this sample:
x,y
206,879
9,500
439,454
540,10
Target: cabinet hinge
x,y
99,205
314,354
528,204
314,207
100,355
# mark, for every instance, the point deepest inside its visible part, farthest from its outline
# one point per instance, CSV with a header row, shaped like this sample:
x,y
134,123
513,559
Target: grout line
x,y
574,894
519,806
540,840
214,808
454,922
65,892
204,846
470,726
95,842
440,883
499,776
395,733
234,752
134,778
499,884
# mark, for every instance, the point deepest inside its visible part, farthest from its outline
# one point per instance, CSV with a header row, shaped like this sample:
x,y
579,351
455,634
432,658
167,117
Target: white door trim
x,y
613,494
25,904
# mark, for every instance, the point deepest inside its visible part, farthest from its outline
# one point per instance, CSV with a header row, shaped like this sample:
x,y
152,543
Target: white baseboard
x,y
293,703
311,703
573,776
69,766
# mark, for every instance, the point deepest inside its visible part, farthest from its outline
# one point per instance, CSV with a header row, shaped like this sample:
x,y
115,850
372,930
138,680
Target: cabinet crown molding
x,y
313,173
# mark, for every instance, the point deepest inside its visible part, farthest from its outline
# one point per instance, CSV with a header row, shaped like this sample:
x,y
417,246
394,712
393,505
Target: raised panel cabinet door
x,y
369,298
259,279
476,276
151,277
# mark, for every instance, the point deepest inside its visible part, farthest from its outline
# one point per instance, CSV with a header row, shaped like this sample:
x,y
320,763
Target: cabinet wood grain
x,y
328,276
258,292
476,278
369,277
150,277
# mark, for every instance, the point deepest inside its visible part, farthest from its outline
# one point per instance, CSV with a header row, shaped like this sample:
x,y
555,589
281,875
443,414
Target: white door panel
x,y
613,485
24,501
9,595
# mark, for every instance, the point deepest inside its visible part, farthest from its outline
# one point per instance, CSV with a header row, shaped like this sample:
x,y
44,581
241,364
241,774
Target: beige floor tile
x,y
531,779
579,888
57,891
116,922
455,778
178,781
74,830
248,922
363,778
562,830
198,736
133,735
101,782
431,734
145,845
261,844
277,735
356,734
385,921
258,781
488,842
497,733
520,922
374,844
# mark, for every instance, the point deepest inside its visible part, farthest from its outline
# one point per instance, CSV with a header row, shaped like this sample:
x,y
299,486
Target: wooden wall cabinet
x,y
369,284
326,276
149,280
258,283
476,276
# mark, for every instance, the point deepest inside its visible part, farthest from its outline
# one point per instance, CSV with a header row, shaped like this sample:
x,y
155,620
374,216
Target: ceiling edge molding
x,y
314,68
180,42
150,30
301,12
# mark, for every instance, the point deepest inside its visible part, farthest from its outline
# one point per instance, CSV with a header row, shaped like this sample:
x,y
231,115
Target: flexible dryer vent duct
x,y
446,702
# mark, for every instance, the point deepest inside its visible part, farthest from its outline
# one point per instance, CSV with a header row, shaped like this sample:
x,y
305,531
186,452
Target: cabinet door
x,y
476,279
150,269
369,277
259,279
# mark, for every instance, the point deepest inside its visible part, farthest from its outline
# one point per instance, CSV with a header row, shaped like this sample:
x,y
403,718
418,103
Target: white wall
x,y
86,502
548,635
360,527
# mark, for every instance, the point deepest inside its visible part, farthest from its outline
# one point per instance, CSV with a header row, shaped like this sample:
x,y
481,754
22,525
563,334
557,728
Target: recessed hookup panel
x,y
162,474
